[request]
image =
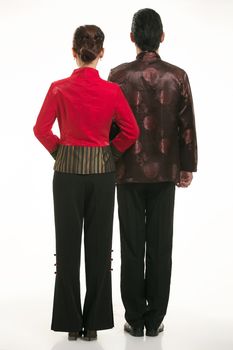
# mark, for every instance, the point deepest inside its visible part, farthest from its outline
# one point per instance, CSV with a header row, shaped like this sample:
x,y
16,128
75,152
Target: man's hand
x,y
185,179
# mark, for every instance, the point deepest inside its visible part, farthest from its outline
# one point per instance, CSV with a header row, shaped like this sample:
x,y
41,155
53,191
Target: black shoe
x,y
74,335
154,332
89,335
135,332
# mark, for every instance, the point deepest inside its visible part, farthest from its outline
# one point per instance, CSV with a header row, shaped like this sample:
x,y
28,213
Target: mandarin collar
x,y
148,56
86,72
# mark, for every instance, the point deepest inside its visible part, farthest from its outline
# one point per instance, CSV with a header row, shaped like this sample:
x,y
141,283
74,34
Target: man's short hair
x,y
147,29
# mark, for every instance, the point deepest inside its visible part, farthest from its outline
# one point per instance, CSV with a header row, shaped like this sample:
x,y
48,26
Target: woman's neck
x,y
88,66
92,64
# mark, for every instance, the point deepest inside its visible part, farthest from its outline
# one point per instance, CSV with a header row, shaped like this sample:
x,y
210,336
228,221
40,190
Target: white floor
x,y
26,322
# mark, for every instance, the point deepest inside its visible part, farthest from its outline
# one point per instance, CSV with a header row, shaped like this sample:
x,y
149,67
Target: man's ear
x,y
132,37
162,37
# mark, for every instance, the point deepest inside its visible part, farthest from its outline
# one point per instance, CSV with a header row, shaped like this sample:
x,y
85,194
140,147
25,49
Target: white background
x,y
35,49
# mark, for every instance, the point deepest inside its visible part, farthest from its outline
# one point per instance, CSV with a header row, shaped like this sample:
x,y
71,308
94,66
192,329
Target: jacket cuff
x,y
116,154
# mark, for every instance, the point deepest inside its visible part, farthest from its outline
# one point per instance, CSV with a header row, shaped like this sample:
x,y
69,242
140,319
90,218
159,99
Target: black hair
x,y
147,29
88,42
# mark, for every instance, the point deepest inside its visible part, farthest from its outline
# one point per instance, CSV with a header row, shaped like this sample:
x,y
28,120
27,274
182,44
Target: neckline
x,y
86,71
148,55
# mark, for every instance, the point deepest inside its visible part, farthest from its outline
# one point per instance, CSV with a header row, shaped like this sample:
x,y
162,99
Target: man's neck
x,y
138,50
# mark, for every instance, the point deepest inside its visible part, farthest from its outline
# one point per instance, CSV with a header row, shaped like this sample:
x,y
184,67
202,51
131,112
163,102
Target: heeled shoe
x,y
89,335
74,335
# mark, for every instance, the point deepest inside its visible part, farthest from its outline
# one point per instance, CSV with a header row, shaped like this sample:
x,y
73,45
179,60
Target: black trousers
x,y
146,228
79,199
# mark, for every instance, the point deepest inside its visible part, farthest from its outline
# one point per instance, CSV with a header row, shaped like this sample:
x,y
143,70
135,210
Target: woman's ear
x,y
101,53
74,53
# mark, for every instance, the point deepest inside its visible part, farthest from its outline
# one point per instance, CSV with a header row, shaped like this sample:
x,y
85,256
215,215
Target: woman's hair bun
x,y
88,42
87,55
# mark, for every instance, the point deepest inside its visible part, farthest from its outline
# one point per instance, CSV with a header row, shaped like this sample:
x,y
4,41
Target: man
x,y
164,155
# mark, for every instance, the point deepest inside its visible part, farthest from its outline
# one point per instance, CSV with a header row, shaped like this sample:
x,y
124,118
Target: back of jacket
x,y
85,107
160,97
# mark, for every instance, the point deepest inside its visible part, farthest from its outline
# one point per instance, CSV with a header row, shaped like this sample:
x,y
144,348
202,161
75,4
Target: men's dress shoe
x,y
89,335
74,335
135,332
154,332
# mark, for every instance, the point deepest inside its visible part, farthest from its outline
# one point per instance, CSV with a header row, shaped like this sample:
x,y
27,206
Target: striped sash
x,y
84,160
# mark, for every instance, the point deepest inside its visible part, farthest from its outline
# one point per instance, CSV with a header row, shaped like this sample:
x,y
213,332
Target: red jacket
x,y
85,106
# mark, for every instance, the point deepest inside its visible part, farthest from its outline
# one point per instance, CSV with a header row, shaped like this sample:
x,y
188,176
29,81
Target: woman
x,y
83,185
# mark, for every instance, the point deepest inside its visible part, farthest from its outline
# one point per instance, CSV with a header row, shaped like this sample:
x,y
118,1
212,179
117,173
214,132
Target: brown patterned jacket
x,y
160,97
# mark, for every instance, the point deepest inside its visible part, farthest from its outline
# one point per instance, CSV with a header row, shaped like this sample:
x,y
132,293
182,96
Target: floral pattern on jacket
x,y
160,97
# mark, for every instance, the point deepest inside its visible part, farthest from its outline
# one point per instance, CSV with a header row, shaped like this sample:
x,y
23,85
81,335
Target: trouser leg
x,y
98,222
68,191
159,233
131,206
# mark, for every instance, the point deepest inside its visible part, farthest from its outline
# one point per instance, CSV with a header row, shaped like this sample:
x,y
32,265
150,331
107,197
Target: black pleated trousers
x,y
83,200
146,228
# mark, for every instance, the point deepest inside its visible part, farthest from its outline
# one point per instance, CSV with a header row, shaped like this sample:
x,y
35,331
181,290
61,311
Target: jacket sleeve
x,y
187,130
45,121
128,128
